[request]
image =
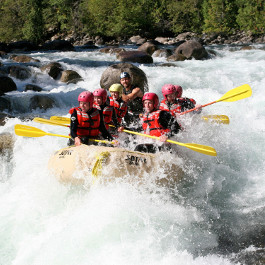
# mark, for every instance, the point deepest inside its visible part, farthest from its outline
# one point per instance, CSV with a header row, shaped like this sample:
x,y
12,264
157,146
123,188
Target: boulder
x,y
22,46
53,69
192,49
70,76
135,57
33,88
176,57
162,40
5,104
24,59
3,54
20,72
112,50
41,102
61,45
112,75
148,47
162,53
6,85
6,142
3,47
138,40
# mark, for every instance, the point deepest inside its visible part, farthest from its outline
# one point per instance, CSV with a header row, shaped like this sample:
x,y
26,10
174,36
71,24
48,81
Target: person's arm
x,y
73,128
168,122
136,92
73,125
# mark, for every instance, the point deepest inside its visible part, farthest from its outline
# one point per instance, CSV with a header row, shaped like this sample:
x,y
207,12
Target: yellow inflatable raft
x,y
86,164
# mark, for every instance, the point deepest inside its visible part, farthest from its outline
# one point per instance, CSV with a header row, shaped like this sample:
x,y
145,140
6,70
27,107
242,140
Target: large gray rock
x,y
135,57
33,88
20,72
53,69
22,46
148,47
23,59
112,75
41,102
61,45
192,49
6,85
70,76
5,104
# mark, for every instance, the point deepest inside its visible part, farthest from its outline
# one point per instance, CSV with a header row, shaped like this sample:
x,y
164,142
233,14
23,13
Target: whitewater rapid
x,y
214,215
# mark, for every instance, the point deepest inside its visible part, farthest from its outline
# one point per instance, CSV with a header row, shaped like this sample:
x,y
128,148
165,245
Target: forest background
x,y
38,20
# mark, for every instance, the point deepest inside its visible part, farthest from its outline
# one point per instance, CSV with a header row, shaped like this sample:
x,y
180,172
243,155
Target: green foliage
x,y
219,15
123,17
251,15
34,19
12,19
33,28
185,15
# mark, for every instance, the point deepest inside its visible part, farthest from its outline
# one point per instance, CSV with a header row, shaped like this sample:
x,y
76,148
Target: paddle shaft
x,y
234,94
29,131
207,150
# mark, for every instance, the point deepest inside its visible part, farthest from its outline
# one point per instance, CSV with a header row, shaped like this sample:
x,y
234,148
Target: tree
x,y
185,15
219,15
34,26
251,15
11,20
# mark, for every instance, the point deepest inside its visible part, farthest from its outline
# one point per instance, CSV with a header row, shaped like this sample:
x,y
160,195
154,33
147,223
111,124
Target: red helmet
x,y
100,92
178,91
168,89
86,96
153,97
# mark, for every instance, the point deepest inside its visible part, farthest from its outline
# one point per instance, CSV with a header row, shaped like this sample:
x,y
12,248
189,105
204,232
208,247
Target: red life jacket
x,y
151,126
107,114
119,107
88,125
177,107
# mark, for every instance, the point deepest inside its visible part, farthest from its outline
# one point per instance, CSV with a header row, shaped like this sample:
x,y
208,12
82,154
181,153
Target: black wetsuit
x,y
135,107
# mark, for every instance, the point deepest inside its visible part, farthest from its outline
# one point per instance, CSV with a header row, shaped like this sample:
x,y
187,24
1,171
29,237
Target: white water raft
x,y
85,164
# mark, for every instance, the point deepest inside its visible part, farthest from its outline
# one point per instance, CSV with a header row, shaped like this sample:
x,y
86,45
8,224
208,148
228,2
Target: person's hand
x,y
77,141
115,143
198,108
120,129
163,138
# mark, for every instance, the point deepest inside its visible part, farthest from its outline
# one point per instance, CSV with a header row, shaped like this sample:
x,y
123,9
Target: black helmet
x,y
124,74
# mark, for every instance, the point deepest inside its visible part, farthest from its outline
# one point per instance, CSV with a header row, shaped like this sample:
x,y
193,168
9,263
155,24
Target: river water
x,y
215,215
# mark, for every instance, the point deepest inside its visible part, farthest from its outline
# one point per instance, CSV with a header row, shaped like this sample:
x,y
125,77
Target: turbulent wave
x,y
215,215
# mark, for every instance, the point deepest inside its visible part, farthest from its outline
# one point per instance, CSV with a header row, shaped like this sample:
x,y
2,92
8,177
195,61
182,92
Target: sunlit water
x,y
214,212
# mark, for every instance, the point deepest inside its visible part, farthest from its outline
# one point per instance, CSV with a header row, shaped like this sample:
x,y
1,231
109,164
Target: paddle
x,y
213,118
207,150
29,131
216,118
50,122
235,94
62,120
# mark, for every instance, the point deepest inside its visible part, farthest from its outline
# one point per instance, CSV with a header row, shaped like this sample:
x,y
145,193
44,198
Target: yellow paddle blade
x,y
62,120
216,118
29,131
237,93
50,122
204,149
